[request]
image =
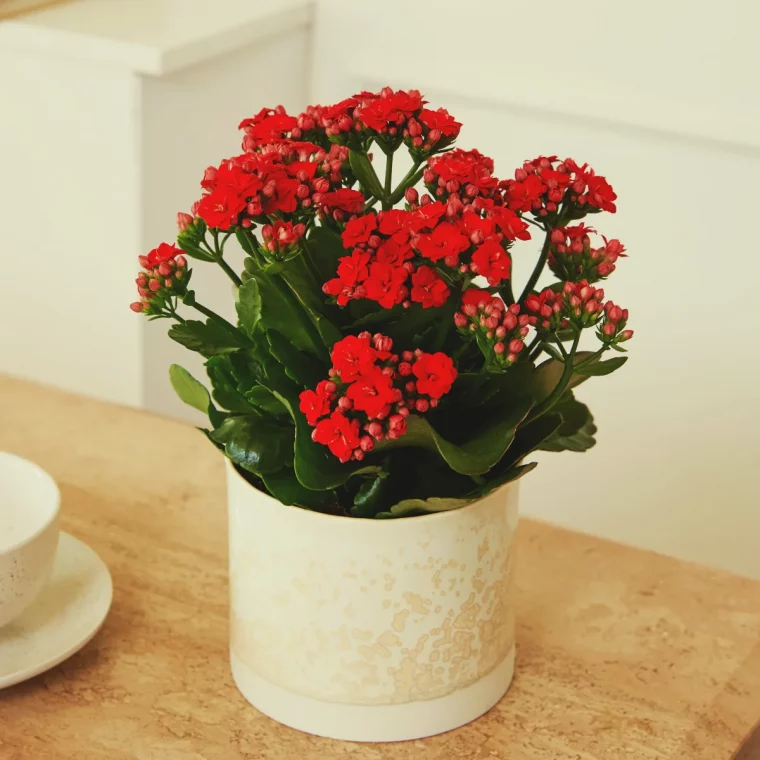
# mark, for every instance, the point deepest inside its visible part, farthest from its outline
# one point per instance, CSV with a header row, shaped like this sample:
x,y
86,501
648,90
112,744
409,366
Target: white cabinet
x,y
110,113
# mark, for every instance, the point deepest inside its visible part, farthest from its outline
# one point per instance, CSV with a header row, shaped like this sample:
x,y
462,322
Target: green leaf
x,y
284,486
416,507
476,455
207,338
298,366
265,400
363,171
576,433
281,310
528,438
549,372
255,443
369,498
190,390
225,384
509,475
602,368
324,247
249,306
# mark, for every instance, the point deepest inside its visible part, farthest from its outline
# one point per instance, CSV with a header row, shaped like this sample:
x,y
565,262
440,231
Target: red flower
x,y
350,201
510,224
352,271
232,175
426,217
315,404
393,221
394,252
435,374
441,120
600,193
283,194
475,296
445,241
428,288
385,284
389,108
164,252
523,196
339,434
477,228
492,262
371,392
352,356
359,230
268,124
220,208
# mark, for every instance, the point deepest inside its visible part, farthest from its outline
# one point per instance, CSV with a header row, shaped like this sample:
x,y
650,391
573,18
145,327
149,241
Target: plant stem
x,y
218,253
371,201
591,359
222,322
532,345
506,293
564,380
410,180
539,266
229,271
534,223
388,179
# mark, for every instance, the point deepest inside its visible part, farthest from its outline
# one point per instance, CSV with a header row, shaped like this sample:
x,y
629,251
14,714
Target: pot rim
x,y
449,514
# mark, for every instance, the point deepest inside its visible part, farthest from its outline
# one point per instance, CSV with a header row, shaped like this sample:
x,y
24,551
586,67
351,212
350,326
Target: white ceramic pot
x,y
371,630
29,506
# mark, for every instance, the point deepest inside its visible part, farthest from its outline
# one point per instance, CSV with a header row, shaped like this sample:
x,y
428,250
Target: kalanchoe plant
x,y
383,364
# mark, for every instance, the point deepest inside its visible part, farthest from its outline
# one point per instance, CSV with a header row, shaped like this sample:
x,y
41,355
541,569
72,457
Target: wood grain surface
x,y
621,653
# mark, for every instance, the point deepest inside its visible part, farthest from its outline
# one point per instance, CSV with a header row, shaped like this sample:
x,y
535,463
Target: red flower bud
x,y
411,195
498,348
183,221
136,306
421,405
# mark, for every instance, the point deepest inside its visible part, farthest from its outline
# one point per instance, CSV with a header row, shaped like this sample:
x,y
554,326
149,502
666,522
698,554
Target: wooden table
x,y
621,653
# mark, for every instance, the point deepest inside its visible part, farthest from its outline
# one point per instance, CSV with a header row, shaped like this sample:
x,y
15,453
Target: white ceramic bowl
x,y
29,506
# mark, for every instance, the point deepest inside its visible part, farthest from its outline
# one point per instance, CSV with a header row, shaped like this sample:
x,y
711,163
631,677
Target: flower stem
x,y
539,266
412,177
388,179
564,380
229,271
218,253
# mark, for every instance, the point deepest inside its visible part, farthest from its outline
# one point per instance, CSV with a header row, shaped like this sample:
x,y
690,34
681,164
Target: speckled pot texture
x,y
371,630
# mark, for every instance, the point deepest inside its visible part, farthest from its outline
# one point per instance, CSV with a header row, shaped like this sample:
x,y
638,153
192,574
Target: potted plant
x,y
379,396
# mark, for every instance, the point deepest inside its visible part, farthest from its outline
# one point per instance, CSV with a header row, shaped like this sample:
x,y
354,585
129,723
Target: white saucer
x,y
65,616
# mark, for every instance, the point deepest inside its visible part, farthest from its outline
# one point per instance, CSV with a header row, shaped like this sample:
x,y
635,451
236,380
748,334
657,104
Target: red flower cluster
x,y
371,392
276,177
542,185
571,256
385,113
396,249
432,130
501,328
577,302
282,237
164,274
466,172
612,328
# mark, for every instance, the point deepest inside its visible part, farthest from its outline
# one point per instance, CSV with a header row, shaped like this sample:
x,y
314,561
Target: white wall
x,y
664,103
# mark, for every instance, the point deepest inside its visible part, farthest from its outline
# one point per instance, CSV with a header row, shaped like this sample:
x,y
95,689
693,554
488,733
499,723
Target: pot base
x,y
374,723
